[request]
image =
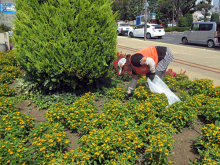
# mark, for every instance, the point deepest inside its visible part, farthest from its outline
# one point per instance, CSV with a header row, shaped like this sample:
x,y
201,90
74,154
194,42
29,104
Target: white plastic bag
x,y
158,86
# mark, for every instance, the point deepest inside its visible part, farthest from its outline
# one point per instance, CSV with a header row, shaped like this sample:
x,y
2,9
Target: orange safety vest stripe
x,y
147,52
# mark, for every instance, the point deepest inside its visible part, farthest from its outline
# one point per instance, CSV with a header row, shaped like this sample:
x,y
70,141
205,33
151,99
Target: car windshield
x,y
124,24
157,26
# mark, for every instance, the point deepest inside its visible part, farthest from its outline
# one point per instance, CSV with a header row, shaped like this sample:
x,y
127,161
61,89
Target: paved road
x,y
198,62
175,38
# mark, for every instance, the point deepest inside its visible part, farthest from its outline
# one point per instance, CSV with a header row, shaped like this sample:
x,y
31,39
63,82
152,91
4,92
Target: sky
x,y
215,3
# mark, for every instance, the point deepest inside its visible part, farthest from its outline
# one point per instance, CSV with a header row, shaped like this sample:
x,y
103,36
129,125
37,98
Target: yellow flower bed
x,y
118,133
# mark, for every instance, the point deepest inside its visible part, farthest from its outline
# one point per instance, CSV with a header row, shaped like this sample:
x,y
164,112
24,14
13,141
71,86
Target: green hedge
x,y
65,42
175,28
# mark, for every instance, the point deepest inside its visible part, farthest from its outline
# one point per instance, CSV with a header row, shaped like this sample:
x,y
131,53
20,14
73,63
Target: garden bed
x,y
43,129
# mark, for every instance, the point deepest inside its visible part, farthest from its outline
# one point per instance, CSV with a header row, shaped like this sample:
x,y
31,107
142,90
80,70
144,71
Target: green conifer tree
x,y
65,42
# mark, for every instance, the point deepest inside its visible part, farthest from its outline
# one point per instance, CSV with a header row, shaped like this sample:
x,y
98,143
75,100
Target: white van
x,y
207,33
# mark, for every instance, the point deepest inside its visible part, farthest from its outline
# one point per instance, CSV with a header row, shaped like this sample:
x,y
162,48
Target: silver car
x,y
206,33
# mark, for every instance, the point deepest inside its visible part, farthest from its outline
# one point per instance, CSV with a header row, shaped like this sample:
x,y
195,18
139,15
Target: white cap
x,y
122,61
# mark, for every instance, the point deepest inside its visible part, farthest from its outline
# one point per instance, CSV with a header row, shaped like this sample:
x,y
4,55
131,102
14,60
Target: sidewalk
x,y
198,63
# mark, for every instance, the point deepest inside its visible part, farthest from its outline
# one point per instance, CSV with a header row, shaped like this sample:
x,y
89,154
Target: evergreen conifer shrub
x,y
183,22
215,17
65,42
189,18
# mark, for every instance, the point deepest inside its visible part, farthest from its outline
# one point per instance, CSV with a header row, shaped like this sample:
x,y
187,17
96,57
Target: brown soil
x,y
183,151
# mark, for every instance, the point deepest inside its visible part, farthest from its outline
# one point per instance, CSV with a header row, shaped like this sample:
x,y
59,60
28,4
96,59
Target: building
x,y
195,17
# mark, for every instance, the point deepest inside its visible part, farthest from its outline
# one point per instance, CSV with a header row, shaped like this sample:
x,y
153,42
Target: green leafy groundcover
x,y
119,133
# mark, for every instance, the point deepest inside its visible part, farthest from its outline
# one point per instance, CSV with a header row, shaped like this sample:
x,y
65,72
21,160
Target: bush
x,y
214,17
183,22
59,42
175,28
4,28
189,18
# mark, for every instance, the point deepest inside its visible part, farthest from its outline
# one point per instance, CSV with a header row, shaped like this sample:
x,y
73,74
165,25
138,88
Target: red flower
x,y
182,72
171,73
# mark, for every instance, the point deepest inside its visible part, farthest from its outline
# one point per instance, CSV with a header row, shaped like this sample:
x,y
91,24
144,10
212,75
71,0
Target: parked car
x,y
153,30
123,28
171,25
207,33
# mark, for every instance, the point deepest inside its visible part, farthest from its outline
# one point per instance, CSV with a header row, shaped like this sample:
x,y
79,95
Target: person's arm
x,y
132,84
150,62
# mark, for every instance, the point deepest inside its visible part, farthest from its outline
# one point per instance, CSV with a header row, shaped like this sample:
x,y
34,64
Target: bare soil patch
x,y
184,150
31,111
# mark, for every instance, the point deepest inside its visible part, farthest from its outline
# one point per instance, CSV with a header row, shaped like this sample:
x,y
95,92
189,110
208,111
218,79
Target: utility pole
x,y
173,13
145,21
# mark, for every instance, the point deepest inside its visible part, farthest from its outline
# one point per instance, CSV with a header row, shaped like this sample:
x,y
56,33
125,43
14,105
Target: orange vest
x,y
147,52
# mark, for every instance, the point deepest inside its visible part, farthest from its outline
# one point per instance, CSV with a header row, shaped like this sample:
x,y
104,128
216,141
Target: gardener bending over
x,y
149,61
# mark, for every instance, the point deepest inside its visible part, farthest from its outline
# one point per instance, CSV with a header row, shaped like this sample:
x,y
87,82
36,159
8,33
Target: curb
x,y
173,32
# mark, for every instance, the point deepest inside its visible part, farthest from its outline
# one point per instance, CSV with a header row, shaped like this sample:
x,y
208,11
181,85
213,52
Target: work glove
x,y
128,95
150,75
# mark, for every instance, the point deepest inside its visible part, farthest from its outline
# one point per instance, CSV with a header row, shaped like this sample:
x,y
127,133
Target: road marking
x,y
211,69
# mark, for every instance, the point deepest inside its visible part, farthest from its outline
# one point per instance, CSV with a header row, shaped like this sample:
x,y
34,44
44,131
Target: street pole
x,y
145,21
173,13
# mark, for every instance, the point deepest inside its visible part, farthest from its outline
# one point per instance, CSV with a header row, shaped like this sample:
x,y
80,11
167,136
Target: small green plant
x,y
200,86
5,27
5,90
14,151
179,114
141,93
7,105
15,124
9,73
116,93
8,58
47,139
208,145
76,116
119,142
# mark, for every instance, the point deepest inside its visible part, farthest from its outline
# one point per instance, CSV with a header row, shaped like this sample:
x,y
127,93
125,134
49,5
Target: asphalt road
x,y
175,38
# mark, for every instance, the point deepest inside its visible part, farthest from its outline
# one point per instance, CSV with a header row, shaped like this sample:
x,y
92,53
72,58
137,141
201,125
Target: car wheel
x,y
148,36
185,41
160,37
131,34
210,44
